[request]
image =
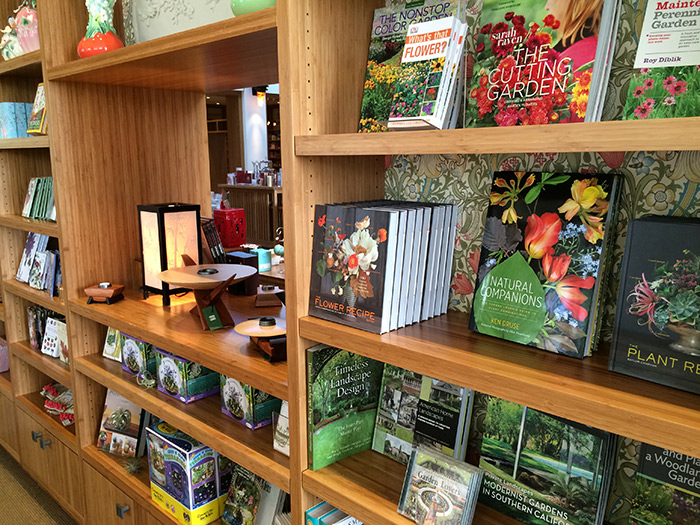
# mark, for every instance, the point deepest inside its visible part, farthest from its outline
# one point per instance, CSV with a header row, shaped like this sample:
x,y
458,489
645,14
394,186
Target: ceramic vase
x,y
27,27
100,35
243,7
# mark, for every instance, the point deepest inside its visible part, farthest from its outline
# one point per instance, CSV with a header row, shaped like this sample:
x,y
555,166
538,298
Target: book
x,y
49,344
37,118
439,489
31,189
665,83
251,500
543,260
281,435
658,304
415,409
541,63
343,392
667,488
213,241
314,514
63,350
539,468
387,40
122,430
36,242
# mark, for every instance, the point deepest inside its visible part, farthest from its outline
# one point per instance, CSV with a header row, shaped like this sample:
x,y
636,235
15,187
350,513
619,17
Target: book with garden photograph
x,y
542,260
123,427
540,62
387,41
667,488
666,83
656,333
541,469
343,391
415,409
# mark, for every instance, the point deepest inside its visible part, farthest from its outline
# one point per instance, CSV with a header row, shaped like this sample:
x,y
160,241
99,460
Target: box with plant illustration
x,y
247,405
183,379
137,356
183,475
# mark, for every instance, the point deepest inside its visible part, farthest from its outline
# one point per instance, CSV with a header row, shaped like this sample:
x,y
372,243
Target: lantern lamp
x,y
168,231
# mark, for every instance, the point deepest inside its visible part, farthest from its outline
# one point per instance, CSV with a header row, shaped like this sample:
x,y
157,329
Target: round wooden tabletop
x,y
196,278
252,328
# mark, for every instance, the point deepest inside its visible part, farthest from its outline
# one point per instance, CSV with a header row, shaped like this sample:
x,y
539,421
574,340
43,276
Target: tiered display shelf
x,y
33,403
41,142
29,225
35,296
51,366
28,64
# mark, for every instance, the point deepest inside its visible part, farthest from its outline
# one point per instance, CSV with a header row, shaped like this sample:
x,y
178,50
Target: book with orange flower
x,y
542,259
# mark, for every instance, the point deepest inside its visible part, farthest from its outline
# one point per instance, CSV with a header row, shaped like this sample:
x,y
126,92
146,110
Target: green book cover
x,y
343,391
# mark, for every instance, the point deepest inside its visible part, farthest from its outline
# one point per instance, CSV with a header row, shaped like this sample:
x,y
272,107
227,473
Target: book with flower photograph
x,y
540,62
123,427
656,334
542,259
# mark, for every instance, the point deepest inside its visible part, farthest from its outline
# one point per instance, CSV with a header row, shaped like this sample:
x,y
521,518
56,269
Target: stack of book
x,y
382,265
39,267
39,202
326,514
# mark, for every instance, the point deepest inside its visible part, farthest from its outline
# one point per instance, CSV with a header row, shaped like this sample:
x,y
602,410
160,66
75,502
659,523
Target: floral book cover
x,y
343,393
353,251
656,334
386,46
542,259
667,488
534,62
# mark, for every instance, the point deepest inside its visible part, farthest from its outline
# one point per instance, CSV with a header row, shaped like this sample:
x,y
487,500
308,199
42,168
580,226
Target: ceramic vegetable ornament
x,y
100,36
27,26
243,7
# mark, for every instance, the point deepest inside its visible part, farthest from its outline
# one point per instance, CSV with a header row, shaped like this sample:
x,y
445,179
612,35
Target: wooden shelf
x,y
368,486
6,384
33,404
203,420
28,64
25,143
35,296
628,135
18,222
581,390
51,366
2,312
176,330
235,53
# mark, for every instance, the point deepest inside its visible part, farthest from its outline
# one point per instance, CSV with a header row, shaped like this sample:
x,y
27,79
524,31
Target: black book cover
x,y
656,333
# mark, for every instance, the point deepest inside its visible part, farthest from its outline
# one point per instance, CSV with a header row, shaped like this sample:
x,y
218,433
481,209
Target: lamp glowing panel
x,y
261,98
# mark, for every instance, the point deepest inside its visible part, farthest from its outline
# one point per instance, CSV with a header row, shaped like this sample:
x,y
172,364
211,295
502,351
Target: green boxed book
x,y
342,392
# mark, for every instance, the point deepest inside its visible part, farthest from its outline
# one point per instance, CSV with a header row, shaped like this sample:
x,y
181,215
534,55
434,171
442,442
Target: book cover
x,y
35,242
121,431
415,409
667,488
353,266
49,344
542,259
251,500
63,351
37,118
535,62
542,469
389,28
656,333
36,274
438,489
31,188
343,392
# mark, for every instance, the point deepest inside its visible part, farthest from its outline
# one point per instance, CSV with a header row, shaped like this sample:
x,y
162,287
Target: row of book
x,y
382,265
39,203
534,62
536,467
326,514
47,332
40,267
14,119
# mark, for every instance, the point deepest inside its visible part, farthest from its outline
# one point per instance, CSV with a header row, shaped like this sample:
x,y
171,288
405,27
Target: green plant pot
x,y
243,7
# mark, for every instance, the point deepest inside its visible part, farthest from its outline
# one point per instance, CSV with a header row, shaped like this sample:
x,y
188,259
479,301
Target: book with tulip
x,y
542,259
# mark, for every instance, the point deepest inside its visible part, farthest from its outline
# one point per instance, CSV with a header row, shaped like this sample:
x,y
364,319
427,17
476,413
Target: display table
x,y
263,209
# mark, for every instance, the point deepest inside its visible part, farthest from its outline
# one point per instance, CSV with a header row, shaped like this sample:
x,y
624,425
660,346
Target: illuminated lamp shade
x,y
168,231
261,98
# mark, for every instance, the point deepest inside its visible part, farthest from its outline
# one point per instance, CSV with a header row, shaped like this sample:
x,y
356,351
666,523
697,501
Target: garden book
x,y
251,500
656,333
37,118
415,409
543,260
438,489
666,81
667,488
122,431
387,40
542,469
342,391
540,62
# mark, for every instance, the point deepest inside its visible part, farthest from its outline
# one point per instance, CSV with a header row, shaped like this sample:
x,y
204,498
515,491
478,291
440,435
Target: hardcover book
x,y
667,488
656,333
122,431
542,260
417,410
439,489
37,118
540,62
387,40
542,469
343,391
251,500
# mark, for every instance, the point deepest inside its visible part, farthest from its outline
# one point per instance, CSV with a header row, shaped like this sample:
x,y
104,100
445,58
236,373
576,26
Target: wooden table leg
x,y
208,298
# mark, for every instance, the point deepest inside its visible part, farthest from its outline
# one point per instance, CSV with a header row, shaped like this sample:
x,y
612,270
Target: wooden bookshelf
x,y
51,366
235,53
202,419
18,222
176,330
39,142
28,64
35,296
33,404
6,384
